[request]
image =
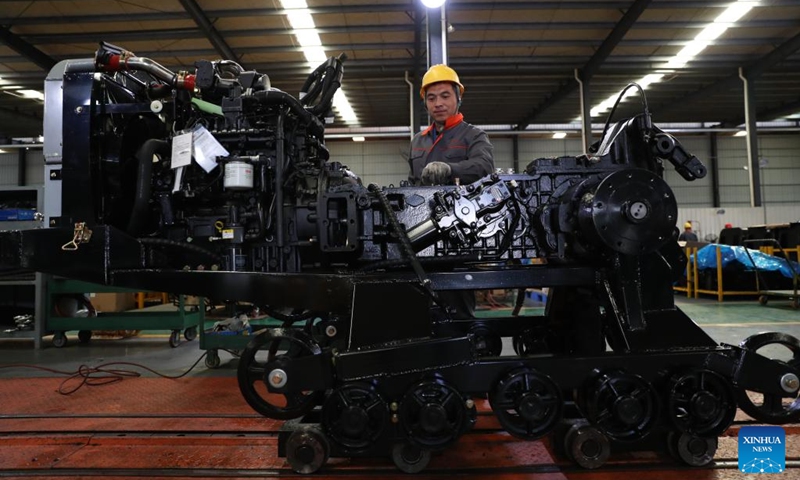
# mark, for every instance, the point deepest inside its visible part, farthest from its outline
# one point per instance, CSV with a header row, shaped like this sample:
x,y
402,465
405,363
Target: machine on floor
x,y
211,182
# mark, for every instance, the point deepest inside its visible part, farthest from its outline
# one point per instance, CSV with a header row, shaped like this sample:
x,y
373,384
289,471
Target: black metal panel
x,y
373,323
76,200
406,358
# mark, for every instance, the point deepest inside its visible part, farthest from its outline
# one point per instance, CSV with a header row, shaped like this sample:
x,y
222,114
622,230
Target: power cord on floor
x,y
102,374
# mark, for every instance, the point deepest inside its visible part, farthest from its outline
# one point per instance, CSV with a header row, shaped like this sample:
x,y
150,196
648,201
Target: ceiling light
x,y
307,35
433,3
740,133
559,134
711,32
32,94
359,139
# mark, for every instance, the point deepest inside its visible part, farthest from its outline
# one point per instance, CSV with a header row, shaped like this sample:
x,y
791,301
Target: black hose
x,y
144,178
274,96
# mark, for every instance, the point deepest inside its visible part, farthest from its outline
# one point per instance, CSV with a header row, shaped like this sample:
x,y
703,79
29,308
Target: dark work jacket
x,y
464,147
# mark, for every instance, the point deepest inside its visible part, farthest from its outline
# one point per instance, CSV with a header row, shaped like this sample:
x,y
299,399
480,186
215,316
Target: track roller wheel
x,y
701,403
623,405
587,445
433,414
527,403
690,449
84,336
487,342
270,348
307,450
354,416
410,458
771,408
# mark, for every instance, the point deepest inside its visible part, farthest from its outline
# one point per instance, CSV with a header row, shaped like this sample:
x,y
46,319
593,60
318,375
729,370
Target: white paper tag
x,y
182,150
206,148
178,179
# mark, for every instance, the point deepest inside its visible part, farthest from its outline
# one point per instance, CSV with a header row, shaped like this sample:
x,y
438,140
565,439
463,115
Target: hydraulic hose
x,y
274,96
144,176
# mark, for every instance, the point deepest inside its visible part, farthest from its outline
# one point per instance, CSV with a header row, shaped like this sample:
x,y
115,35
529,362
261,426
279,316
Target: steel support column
x,y
586,116
22,166
437,36
515,152
419,111
752,139
714,160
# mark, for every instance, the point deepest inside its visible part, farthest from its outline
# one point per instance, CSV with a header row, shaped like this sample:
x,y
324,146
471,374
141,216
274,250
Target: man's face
x,y
441,101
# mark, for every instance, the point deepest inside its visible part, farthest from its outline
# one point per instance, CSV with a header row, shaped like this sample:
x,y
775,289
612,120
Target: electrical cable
x,y
619,99
102,374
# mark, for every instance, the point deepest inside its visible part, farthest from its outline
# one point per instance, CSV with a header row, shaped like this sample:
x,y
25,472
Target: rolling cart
x,y
185,320
765,294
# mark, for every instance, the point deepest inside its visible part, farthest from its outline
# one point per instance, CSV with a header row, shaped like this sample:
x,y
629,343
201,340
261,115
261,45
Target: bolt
x,y
790,383
468,277
277,378
78,109
393,406
330,331
469,403
395,418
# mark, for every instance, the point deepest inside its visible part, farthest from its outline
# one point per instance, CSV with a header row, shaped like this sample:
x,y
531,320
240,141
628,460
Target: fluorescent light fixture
x,y
740,133
711,32
433,3
307,35
32,94
559,134
359,139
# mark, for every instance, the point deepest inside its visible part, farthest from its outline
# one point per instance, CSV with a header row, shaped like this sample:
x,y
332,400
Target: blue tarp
x,y
707,258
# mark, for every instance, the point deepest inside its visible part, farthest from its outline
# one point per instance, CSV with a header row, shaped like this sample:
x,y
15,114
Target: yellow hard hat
x,y
687,225
440,73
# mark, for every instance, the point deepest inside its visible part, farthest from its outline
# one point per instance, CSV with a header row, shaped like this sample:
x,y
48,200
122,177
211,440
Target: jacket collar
x,y
448,124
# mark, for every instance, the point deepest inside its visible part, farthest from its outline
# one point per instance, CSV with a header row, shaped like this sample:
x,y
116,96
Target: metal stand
x,y
183,320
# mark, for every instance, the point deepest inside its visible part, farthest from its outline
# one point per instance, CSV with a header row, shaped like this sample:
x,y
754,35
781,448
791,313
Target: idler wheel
x,y
701,402
527,403
264,362
771,408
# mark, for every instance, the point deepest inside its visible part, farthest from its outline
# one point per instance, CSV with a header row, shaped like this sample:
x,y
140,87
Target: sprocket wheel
x,y
271,347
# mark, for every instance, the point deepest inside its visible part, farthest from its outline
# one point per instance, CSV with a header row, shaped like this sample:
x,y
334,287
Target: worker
x,y
450,151
688,235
